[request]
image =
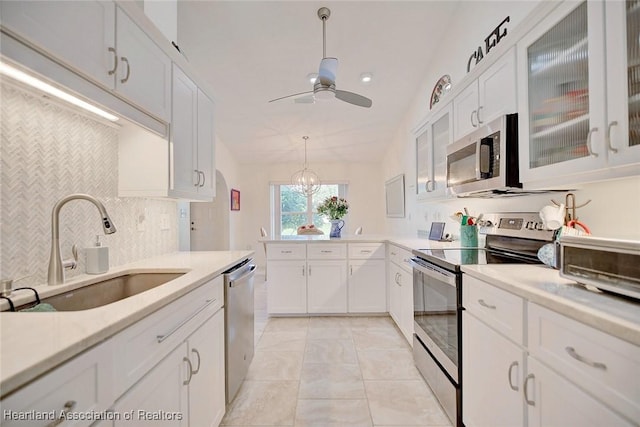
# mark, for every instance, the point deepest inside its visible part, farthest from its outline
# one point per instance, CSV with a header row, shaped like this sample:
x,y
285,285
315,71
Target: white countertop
x,y
33,343
542,285
409,243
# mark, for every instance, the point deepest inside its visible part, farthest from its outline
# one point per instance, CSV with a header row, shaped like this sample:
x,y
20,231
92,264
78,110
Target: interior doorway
x,y
210,220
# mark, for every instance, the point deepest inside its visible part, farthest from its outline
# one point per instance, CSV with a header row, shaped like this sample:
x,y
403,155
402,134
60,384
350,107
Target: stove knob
x,y
539,226
485,223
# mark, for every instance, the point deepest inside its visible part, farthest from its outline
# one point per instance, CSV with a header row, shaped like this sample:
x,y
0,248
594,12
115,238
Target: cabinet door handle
x,y
124,59
115,61
351,269
303,270
526,392
513,365
68,407
324,251
393,254
611,148
197,184
188,380
598,365
591,132
475,125
193,350
484,304
478,116
285,252
163,337
365,251
204,178
309,270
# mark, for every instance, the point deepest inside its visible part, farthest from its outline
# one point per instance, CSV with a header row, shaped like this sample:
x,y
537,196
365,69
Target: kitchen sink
x,y
107,291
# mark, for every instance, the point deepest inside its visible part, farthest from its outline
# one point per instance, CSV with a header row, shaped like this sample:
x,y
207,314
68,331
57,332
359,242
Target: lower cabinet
x,y
326,286
491,363
401,299
287,291
367,290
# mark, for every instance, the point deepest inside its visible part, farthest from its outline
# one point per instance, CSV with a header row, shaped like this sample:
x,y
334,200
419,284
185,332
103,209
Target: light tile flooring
x,y
331,371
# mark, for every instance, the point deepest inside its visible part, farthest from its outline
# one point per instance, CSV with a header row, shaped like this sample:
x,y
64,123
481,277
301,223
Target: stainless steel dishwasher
x,y
238,317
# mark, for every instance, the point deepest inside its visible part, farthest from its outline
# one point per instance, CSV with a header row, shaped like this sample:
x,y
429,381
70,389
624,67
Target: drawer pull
x,y
324,251
193,350
484,304
513,365
161,338
598,365
68,407
393,253
285,252
526,393
188,380
365,251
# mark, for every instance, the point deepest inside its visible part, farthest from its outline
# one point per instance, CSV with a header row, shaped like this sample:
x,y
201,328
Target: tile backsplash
x,y
48,151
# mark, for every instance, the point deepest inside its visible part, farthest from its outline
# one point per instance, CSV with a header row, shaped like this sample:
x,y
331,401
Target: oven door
x,y
436,313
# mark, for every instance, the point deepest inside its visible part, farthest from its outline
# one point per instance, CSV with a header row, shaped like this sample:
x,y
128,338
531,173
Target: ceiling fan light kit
x,y
324,87
305,181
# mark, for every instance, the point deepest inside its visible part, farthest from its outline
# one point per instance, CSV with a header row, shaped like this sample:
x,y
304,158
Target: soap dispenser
x,y
96,258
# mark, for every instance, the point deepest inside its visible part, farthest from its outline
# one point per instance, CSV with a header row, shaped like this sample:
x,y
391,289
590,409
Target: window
x,y
292,209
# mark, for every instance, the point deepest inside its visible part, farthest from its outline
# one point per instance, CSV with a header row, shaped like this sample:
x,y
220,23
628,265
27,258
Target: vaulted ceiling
x,y
251,52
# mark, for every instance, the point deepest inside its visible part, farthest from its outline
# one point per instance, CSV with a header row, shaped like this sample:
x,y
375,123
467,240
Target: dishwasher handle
x,y
235,278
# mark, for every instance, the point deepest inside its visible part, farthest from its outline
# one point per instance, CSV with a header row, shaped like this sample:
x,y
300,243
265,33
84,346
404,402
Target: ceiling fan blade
x,y
327,71
291,96
310,99
353,98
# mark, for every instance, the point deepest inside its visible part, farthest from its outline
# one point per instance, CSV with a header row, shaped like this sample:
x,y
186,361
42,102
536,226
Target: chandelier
x,y
305,181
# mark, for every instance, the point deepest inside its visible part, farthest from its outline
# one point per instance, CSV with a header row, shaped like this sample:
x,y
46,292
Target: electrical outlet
x,y
164,221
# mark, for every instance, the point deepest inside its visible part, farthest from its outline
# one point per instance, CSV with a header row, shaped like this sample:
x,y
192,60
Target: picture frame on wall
x,y
394,192
235,200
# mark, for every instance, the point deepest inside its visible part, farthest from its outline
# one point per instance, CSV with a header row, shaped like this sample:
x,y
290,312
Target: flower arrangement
x,y
333,207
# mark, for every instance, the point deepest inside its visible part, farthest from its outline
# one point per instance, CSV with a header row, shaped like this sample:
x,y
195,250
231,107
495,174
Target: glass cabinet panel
x,y
559,92
424,162
441,134
633,69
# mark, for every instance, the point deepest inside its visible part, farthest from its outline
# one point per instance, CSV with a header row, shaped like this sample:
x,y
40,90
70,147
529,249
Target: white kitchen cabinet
x,y
163,391
82,385
491,362
400,279
553,401
432,139
577,95
287,293
192,140
327,286
82,35
493,94
424,161
367,286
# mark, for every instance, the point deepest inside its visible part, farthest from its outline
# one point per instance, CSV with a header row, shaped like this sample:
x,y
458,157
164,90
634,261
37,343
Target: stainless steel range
x,y
437,293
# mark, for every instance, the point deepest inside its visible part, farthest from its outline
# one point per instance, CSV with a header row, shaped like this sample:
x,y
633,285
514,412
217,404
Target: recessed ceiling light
x,y
51,90
312,77
366,78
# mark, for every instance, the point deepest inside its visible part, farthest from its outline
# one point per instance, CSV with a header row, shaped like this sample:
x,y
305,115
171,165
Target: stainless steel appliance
x,y
608,264
238,319
437,295
485,162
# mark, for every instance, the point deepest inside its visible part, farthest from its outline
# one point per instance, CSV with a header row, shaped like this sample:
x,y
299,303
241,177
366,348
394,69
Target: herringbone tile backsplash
x,y
47,152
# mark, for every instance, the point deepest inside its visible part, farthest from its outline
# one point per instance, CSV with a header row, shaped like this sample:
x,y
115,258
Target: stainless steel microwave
x,y
485,162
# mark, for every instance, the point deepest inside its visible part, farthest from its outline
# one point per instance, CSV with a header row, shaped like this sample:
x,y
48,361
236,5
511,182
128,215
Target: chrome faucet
x,y
56,265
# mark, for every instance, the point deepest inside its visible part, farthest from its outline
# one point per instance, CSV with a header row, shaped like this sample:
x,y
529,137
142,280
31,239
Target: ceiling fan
x,y
325,85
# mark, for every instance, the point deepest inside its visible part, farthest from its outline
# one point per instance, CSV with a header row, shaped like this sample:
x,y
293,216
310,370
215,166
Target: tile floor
x,y
329,372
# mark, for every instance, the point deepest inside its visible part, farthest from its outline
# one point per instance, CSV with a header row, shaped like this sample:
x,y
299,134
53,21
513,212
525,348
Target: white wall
x,y
611,212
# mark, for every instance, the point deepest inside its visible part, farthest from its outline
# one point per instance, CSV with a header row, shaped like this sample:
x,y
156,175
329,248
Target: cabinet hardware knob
x,y
478,115
475,125
509,373
115,61
572,352
611,148
188,380
526,393
68,407
591,132
484,304
126,78
193,350
204,178
197,183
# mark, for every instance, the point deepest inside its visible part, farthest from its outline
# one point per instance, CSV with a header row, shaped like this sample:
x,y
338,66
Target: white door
x,y
206,147
78,33
184,134
287,287
367,287
144,70
162,390
552,401
490,362
497,89
465,111
326,286
207,386
623,82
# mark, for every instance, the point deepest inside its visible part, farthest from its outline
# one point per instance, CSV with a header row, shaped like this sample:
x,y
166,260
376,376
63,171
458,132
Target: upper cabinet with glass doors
x,y
432,139
565,120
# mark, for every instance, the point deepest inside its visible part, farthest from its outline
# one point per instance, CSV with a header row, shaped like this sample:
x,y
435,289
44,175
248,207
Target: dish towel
x,y
41,307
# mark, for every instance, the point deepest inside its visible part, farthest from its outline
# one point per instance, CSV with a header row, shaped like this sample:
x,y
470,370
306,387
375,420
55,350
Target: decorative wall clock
x,y
440,89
